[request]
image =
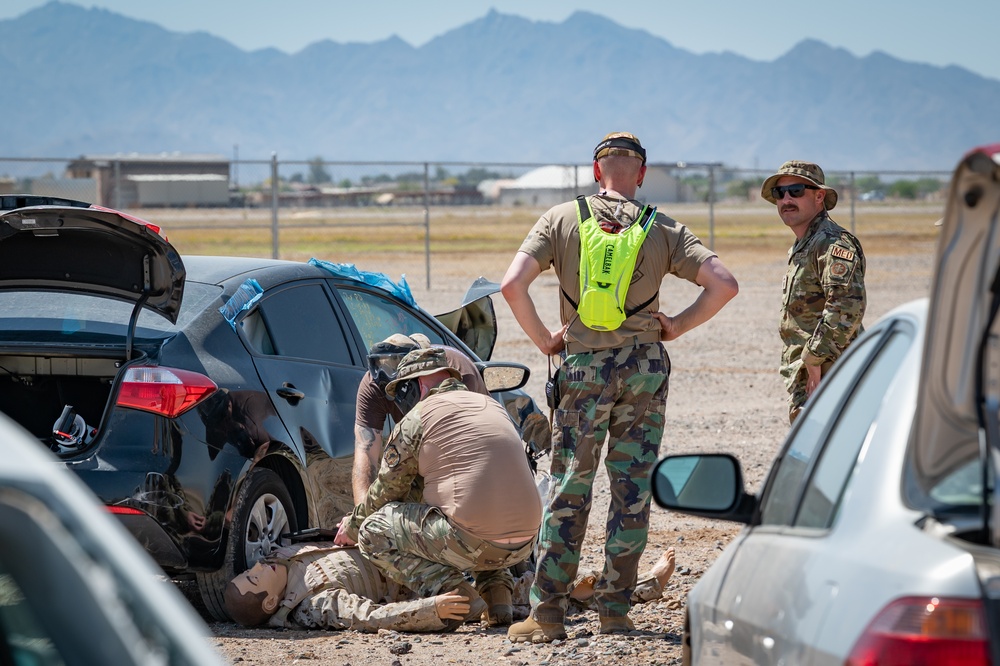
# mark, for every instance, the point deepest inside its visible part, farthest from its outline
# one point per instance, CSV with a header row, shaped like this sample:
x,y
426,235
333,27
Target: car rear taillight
x,y
166,391
124,511
925,630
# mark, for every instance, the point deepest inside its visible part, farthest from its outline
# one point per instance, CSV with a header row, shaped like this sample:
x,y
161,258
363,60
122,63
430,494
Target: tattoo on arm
x,y
367,453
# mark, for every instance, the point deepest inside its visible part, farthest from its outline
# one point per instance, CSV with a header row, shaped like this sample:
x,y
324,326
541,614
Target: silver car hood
x,y
91,250
946,432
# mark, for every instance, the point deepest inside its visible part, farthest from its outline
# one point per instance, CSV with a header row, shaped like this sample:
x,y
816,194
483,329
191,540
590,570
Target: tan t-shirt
x,y
473,465
669,249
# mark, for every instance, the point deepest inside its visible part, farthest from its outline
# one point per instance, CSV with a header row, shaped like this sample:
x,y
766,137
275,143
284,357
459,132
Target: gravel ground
x,y
725,395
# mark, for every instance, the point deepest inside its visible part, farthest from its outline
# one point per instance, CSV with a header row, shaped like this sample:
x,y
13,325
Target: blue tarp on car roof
x,y
380,280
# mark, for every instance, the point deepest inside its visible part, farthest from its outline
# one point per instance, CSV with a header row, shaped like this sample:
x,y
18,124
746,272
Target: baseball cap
x,y
805,170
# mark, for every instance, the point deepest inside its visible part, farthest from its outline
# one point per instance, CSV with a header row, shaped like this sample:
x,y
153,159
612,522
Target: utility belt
x,y
644,338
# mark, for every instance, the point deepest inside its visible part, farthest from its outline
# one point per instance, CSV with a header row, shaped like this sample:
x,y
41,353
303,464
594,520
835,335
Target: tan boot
x,y
499,606
532,631
616,625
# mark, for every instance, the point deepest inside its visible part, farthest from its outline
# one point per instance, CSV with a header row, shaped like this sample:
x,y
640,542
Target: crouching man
x,y
322,586
480,511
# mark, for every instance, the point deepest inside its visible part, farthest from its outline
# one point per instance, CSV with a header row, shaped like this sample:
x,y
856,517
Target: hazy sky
x,y
961,32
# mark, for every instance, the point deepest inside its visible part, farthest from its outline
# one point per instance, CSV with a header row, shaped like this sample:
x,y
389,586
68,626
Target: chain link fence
x,y
290,209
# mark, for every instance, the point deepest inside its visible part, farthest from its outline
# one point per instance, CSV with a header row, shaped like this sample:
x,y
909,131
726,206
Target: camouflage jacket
x,y
823,296
400,468
337,588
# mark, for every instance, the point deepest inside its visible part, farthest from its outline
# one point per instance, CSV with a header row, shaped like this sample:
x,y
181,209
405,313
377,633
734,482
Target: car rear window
x,y
29,316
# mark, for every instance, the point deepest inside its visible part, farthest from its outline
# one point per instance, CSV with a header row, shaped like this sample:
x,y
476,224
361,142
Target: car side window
x,y
378,317
840,451
782,494
299,322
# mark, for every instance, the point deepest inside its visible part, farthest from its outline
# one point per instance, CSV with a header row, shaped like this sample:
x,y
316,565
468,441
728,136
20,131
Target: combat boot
x,y
533,631
616,625
476,606
499,606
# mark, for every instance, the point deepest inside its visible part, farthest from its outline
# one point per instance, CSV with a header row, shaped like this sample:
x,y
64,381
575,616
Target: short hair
x,y
245,608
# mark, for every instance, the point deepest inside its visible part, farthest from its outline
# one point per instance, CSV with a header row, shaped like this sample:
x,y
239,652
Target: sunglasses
x,y
796,190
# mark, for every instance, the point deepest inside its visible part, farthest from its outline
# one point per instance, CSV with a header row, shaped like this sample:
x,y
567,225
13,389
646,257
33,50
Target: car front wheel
x,y
263,512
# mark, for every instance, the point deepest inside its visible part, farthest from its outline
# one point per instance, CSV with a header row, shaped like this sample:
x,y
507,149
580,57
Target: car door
x,y
309,364
781,580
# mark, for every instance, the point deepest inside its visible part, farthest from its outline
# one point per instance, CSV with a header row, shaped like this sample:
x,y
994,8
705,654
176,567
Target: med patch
x,y
842,253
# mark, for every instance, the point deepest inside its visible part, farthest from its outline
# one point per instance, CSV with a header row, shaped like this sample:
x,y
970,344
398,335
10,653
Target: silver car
x,y
75,587
874,539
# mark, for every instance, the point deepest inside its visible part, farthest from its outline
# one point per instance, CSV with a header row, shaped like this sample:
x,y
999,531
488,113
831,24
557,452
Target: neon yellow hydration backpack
x,y
606,264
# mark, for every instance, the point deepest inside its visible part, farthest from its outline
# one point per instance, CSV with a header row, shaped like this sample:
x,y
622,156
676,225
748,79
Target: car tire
x,y
263,512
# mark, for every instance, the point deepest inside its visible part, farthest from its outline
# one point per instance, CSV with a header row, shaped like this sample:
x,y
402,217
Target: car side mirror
x,y
709,485
502,376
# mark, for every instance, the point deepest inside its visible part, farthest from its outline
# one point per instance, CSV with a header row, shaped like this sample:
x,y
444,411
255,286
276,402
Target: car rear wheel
x,y
264,511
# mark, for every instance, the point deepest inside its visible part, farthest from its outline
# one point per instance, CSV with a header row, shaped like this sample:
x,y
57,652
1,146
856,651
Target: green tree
x,y
738,189
903,189
317,171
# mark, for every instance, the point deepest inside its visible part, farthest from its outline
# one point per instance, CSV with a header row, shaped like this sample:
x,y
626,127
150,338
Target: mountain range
x,y
500,89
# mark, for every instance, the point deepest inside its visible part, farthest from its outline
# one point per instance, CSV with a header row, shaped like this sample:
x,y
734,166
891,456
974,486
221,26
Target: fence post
x,y
854,197
711,207
274,205
427,224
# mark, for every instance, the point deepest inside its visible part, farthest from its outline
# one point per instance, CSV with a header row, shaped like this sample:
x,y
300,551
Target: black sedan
x,y
209,402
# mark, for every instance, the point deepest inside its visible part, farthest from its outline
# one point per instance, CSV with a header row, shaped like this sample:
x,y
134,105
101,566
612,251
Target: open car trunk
x,y
56,353
36,389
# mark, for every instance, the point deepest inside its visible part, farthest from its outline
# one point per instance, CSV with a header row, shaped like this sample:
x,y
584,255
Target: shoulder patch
x,y
391,455
838,269
842,253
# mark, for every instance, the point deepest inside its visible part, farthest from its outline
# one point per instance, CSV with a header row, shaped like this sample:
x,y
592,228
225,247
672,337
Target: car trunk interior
x,y
34,389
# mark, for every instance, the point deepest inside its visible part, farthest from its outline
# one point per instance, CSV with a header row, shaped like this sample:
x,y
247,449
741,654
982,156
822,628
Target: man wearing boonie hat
x,y
610,254
823,293
374,408
479,509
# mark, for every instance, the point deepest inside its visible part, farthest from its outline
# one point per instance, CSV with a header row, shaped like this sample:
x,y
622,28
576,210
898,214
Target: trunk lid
x,y
958,393
96,251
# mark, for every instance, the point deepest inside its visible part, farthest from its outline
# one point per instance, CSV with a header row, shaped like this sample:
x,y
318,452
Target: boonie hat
x,y
620,143
805,170
420,362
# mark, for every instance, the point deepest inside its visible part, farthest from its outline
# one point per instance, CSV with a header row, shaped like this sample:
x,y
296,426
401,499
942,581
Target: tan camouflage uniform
x,y
337,588
823,302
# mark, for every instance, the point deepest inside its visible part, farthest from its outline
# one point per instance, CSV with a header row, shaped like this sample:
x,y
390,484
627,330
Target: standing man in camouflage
x,y
613,379
480,509
823,293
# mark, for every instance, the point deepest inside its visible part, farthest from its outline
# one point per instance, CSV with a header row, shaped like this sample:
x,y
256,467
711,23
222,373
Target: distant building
x,y
549,185
133,180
